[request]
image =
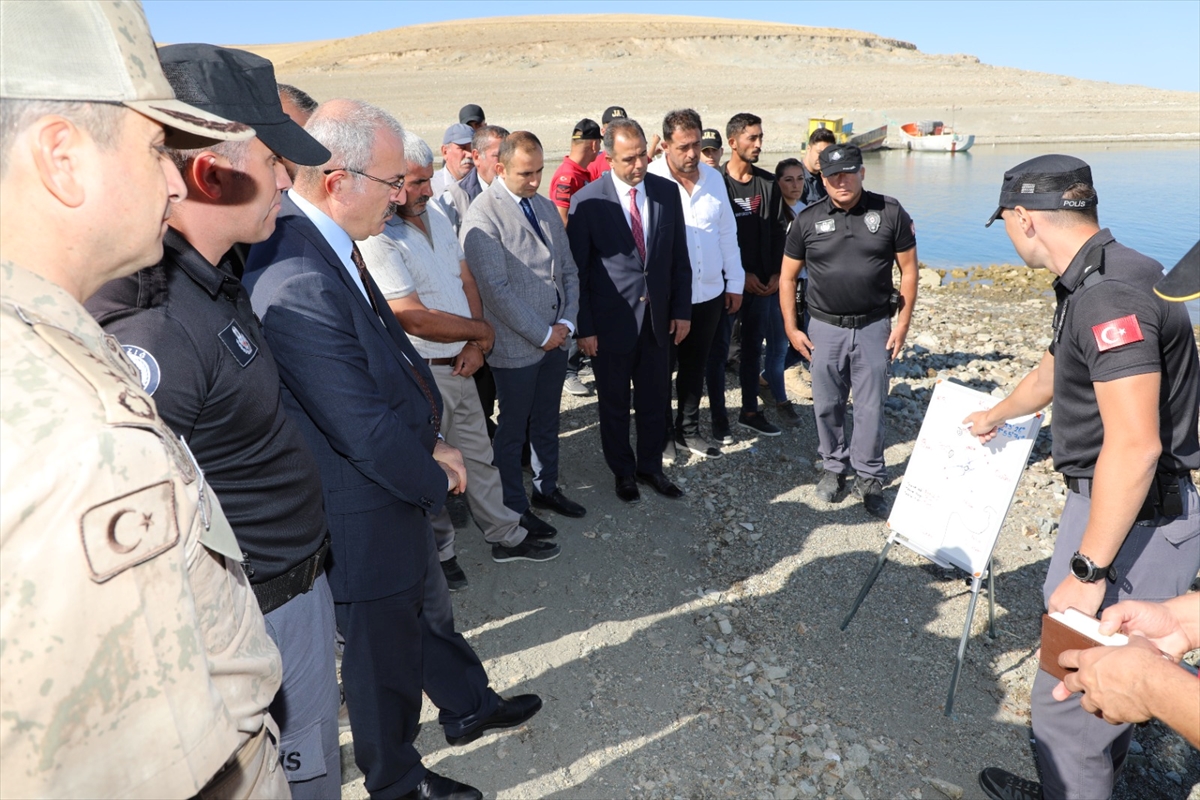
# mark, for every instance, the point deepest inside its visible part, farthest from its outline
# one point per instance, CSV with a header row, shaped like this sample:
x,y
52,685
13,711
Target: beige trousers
x,y
464,428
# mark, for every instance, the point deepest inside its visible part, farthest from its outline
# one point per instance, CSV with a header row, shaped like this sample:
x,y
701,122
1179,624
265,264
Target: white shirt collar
x,y
516,199
334,235
623,188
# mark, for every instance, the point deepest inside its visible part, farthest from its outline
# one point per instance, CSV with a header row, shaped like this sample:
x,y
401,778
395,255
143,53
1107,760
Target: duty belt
x,y
1164,498
296,581
850,320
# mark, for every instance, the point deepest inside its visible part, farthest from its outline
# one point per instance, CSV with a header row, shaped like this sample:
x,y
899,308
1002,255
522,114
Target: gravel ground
x,y
691,648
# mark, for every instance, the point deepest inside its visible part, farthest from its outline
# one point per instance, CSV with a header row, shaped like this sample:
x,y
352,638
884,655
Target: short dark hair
x,y
524,141
485,134
1066,217
739,123
629,126
302,99
821,135
786,164
684,119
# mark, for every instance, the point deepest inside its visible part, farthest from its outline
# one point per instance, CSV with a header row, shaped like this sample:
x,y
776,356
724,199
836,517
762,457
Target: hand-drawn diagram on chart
x,y
957,491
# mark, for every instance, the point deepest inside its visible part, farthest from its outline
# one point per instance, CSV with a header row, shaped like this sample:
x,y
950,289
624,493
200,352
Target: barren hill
x,y
545,72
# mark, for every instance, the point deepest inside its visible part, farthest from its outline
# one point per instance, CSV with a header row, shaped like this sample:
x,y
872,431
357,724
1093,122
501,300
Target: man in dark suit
x,y
368,407
635,285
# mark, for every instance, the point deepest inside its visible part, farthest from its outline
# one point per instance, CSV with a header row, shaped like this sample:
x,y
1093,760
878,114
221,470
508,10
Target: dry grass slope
x,y
543,73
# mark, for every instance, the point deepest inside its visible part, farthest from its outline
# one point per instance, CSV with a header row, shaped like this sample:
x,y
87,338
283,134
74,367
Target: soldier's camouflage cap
x,y
101,52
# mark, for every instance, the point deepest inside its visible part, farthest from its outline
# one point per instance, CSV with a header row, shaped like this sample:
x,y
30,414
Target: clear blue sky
x,y
1145,43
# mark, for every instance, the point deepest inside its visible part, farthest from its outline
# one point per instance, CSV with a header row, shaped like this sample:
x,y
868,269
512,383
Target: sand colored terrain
x,y
543,73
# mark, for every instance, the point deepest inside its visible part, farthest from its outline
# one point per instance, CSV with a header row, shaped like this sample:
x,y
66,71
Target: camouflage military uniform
x,y
134,656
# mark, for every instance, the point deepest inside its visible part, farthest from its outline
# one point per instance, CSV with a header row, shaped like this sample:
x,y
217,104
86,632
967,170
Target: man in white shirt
x,y
423,275
717,275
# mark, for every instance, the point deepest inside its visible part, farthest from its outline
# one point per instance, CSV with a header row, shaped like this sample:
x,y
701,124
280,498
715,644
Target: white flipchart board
x,y
956,491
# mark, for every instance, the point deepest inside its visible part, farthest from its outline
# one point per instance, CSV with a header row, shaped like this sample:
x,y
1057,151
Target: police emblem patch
x,y
147,367
872,220
236,343
826,226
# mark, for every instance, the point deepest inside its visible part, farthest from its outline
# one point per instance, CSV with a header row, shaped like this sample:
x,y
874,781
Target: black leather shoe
x,y
511,712
661,483
439,787
536,527
627,489
557,501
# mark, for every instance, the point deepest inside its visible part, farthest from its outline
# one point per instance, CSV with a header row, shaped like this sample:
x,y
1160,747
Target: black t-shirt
x,y
761,221
1109,324
192,333
849,254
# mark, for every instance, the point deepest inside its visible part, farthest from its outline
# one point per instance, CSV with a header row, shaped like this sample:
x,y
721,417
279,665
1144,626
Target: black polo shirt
x,y
191,331
849,254
1109,324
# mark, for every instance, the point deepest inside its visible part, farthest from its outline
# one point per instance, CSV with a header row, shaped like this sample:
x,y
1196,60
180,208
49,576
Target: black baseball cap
x,y
1039,184
470,113
239,86
710,139
611,113
840,158
1182,283
586,129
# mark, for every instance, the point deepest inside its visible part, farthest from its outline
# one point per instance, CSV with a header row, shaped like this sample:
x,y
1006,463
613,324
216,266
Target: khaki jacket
x,y
135,660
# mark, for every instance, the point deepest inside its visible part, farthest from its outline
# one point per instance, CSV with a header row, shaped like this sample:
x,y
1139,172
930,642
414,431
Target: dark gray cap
x,y
840,158
1039,184
239,86
470,113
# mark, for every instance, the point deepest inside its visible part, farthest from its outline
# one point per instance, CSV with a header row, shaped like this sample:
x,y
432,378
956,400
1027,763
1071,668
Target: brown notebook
x,y
1059,635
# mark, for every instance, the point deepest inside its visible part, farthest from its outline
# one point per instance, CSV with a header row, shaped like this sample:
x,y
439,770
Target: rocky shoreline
x,y
692,648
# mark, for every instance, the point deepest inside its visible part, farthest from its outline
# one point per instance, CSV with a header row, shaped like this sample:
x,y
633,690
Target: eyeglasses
x,y
395,185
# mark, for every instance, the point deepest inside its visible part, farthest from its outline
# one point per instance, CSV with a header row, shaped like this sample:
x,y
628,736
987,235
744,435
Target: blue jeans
x,y
762,321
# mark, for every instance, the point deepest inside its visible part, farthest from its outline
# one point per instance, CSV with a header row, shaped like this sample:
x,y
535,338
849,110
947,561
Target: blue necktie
x,y
527,207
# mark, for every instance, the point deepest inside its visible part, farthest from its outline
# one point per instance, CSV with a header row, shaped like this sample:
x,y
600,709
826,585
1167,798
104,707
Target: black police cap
x,y
1182,283
239,86
840,158
1039,184
586,129
611,113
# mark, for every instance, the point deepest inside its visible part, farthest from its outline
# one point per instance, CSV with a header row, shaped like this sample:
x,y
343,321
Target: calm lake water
x,y
1149,197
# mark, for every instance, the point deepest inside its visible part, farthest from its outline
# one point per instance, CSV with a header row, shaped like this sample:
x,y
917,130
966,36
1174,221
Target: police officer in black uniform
x,y
848,241
188,325
1123,370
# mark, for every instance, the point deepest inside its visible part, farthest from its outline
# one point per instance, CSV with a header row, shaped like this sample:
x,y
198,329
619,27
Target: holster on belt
x,y
296,581
1165,499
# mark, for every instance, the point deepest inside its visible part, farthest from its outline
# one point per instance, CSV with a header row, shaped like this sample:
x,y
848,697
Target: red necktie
x,y
635,222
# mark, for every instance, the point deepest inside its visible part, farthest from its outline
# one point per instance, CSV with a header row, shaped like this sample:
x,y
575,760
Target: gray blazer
x,y
525,286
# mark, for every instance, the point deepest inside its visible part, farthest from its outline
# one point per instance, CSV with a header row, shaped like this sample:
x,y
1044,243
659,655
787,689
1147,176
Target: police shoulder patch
x,y
237,343
147,367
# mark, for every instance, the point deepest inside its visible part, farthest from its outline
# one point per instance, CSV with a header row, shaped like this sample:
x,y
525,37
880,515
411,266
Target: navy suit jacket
x,y
613,279
347,383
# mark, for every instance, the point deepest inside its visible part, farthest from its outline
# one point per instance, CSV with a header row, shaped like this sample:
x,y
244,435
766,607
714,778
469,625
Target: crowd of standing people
x,y
254,343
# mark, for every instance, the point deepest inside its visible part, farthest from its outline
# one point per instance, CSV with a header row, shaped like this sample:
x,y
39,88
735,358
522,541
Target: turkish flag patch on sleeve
x,y
1117,332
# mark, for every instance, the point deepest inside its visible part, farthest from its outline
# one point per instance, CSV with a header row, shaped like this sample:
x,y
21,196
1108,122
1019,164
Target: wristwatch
x,y
1084,569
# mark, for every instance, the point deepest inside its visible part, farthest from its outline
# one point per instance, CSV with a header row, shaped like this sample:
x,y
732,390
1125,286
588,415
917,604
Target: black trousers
x,y
646,367
397,647
691,356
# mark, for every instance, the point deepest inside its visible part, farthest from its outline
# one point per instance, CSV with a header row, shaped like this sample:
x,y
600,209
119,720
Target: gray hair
x,y
486,134
101,121
416,150
301,98
347,128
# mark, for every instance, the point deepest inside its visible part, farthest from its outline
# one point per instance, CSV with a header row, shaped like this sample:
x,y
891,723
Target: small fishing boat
x,y
933,136
843,132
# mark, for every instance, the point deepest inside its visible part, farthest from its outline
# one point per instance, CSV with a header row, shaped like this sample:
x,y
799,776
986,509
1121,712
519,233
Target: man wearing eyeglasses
x,y
370,410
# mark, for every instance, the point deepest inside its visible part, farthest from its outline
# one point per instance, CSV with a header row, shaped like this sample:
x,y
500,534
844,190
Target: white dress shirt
x,y
337,238
623,190
711,233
